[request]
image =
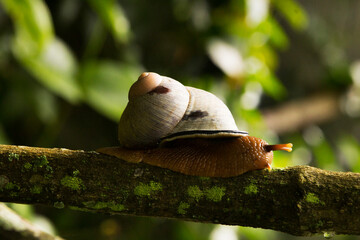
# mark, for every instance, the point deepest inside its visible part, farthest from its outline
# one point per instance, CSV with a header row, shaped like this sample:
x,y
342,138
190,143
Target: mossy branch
x,y
298,200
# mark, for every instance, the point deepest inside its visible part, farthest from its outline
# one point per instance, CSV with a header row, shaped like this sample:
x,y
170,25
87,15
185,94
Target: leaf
x,y
39,51
273,87
270,83
227,57
113,17
275,32
292,12
106,85
54,66
31,19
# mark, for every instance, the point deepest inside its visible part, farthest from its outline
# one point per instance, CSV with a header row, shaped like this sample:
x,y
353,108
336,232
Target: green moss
x,y
48,176
36,189
79,209
36,178
41,162
312,198
13,194
89,204
182,208
59,205
319,224
215,193
283,182
13,156
101,205
195,192
204,178
155,186
123,193
27,165
73,183
11,185
4,180
49,169
117,207
251,189
76,172
143,190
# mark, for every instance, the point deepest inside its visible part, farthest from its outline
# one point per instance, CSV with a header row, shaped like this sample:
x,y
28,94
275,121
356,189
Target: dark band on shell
x,y
195,114
160,90
204,134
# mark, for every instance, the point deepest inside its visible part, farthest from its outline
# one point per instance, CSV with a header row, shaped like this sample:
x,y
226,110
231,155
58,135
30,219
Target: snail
x,y
186,130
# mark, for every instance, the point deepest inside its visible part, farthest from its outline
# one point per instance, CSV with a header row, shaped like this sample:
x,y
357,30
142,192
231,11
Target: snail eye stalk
x,y
283,147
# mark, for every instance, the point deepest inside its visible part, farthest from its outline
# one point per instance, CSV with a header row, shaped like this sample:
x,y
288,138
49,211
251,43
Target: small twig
x,y
301,113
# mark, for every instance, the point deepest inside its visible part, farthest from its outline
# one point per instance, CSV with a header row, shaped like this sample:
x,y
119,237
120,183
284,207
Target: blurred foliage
x,y
39,51
104,94
66,67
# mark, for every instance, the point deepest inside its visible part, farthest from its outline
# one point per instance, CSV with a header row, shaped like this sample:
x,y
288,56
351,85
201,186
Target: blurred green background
x,y
289,70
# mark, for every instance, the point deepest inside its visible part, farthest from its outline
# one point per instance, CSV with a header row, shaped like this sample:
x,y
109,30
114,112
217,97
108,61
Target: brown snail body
x,y
194,134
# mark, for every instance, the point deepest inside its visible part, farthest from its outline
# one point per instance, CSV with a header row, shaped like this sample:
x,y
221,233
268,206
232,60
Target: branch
x,y
298,200
298,114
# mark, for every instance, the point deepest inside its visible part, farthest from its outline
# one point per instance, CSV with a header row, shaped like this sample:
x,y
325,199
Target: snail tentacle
x,y
283,147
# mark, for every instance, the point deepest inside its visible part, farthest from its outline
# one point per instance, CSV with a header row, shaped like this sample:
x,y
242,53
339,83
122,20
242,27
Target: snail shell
x,y
187,130
161,109
156,105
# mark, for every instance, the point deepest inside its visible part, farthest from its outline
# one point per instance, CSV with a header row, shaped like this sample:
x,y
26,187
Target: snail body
x,y
186,130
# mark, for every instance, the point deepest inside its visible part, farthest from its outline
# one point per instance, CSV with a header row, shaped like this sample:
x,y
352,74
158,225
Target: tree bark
x,y
297,200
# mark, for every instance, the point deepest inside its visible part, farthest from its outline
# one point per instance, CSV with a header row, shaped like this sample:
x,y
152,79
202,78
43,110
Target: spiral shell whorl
x,y
156,105
145,83
205,112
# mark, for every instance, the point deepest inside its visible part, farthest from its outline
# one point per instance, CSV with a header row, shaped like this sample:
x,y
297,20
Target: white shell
x,y
148,118
205,116
174,112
